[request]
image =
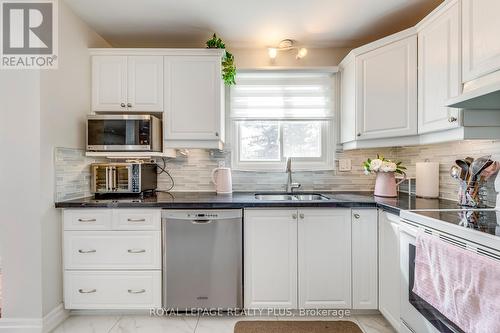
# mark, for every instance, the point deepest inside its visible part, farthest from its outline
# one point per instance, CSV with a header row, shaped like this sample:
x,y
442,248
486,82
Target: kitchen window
x,y
280,114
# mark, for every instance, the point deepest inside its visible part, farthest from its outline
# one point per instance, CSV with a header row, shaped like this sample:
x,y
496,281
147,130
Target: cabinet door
x,y
270,249
145,83
193,98
481,28
364,259
389,276
347,100
324,258
109,83
386,91
439,71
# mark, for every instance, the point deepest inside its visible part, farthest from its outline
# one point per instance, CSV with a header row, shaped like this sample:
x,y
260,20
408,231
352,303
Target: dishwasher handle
x,y
201,221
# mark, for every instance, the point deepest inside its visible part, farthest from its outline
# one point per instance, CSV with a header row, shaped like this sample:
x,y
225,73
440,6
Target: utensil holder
x,y
471,194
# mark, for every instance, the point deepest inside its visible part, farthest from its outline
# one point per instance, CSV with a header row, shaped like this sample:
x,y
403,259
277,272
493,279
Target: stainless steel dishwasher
x,y
202,259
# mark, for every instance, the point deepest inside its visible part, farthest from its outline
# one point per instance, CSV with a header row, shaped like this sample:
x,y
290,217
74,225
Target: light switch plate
x,y
345,164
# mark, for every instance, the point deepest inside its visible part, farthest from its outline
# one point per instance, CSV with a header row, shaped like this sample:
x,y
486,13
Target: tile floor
x,y
187,324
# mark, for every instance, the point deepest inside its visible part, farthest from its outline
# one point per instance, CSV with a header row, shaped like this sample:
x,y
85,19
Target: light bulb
x,y
272,51
301,53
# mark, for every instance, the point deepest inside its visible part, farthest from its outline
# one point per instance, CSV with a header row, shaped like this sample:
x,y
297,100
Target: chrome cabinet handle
x,y
294,216
452,119
139,291
136,220
356,216
129,105
136,250
87,251
301,216
359,134
89,291
87,220
216,134
122,105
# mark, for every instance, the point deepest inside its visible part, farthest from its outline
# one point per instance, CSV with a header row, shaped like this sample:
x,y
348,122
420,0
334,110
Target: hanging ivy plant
x,y
228,67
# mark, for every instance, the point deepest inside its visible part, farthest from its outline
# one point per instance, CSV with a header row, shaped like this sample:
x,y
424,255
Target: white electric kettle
x,y
221,177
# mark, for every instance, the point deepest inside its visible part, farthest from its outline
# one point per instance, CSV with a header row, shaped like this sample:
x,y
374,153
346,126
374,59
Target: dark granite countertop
x,y
210,200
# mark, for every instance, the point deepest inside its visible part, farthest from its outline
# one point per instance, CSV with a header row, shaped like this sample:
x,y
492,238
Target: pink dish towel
x,y
462,285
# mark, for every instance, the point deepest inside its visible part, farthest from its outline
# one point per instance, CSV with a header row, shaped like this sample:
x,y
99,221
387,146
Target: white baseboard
x,y
21,325
54,318
35,325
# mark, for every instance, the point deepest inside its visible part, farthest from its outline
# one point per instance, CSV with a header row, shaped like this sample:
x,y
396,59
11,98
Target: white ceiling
x,y
248,23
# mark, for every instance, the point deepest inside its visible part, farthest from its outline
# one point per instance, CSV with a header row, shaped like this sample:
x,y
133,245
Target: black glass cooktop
x,y
487,221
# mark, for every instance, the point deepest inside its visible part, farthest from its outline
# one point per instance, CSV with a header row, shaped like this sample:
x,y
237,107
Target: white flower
x,y
367,172
388,166
375,165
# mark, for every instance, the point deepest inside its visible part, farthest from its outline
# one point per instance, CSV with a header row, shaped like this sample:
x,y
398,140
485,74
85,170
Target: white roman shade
x,y
282,96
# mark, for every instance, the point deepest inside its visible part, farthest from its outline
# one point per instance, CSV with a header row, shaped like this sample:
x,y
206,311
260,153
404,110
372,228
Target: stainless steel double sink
x,y
290,197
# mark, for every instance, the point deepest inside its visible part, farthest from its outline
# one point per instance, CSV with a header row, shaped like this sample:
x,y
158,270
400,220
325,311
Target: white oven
x,y
417,316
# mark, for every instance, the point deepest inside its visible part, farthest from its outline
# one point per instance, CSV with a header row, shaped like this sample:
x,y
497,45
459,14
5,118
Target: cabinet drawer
x,y
112,250
112,289
137,219
87,219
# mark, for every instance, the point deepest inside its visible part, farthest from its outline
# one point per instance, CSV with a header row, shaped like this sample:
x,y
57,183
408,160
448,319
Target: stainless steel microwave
x,y
124,133
127,177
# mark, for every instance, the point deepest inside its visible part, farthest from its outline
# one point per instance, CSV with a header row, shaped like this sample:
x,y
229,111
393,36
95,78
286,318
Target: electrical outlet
x,y
344,164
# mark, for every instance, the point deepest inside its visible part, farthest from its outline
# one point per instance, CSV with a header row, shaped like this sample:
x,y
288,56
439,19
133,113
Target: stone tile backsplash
x,y
193,172
446,154
72,173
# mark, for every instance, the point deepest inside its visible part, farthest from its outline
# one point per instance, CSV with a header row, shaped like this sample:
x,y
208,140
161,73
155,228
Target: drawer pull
x,y
136,220
136,251
88,291
140,291
87,251
87,220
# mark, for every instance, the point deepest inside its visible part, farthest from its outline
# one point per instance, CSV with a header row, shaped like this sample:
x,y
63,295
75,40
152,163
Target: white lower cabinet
x,y
112,250
112,258
364,259
324,257
270,253
297,258
112,289
389,275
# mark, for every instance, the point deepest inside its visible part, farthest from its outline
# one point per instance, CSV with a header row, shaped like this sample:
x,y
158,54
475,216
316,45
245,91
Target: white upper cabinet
x,y
270,265
439,69
324,258
386,91
127,83
145,83
348,102
481,28
109,83
364,259
379,89
194,102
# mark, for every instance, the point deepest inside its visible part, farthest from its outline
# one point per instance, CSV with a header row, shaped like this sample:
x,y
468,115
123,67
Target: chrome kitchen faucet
x,y
290,186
